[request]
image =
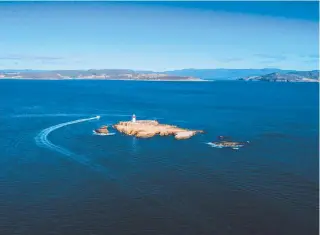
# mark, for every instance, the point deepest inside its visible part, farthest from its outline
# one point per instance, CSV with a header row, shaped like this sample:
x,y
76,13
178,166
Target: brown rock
x,y
150,128
184,135
102,130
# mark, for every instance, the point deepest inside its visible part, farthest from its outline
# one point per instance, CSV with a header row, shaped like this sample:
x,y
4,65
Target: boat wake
x,y
214,145
42,141
103,134
48,115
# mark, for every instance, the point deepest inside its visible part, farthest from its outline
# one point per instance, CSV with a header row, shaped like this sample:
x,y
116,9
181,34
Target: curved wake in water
x,y
64,115
42,141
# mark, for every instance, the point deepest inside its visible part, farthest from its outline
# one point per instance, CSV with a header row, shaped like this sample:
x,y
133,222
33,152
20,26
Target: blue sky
x,y
159,35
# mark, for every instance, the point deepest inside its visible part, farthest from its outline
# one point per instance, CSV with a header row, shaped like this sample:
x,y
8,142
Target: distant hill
x,y
296,76
314,74
224,74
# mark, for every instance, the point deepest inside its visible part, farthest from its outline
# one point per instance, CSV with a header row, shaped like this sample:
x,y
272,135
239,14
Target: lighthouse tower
x,y
133,118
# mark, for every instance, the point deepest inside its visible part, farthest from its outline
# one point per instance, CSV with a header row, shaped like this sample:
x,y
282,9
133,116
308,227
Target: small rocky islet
x,y
148,129
151,128
102,130
226,142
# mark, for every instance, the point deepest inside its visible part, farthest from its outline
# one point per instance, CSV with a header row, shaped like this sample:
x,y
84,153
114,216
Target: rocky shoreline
x,y
150,128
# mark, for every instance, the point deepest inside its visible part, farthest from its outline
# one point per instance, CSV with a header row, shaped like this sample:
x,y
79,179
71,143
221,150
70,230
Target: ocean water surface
x,y
56,177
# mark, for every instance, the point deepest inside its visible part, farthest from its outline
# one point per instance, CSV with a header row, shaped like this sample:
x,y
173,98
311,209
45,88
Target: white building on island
x,y
133,118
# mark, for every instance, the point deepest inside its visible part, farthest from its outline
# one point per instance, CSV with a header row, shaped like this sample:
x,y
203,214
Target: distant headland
x,y
296,76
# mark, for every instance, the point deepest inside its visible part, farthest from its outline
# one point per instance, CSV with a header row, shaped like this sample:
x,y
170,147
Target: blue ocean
x,y
57,177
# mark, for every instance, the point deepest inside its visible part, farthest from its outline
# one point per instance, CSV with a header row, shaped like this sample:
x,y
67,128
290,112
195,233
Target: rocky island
x,y
150,128
102,130
226,142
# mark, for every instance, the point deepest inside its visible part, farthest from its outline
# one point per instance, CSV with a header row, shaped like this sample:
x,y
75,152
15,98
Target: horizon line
x,y
157,71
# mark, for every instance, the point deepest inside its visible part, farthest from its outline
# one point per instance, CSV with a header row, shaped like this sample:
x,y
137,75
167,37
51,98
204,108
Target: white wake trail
x,y
42,141
63,115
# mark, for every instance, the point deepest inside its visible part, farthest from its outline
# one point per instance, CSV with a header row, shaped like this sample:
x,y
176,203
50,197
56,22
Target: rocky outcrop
x,y
150,128
228,144
102,130
184,135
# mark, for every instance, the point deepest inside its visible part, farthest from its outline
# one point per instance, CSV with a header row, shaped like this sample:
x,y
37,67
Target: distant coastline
x,y
109,79
186,75
105,74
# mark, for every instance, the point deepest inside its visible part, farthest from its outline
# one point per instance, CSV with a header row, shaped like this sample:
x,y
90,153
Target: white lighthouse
x,y
133,118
